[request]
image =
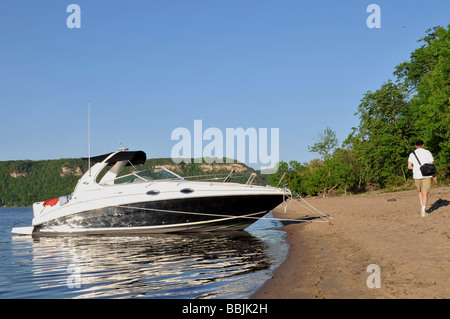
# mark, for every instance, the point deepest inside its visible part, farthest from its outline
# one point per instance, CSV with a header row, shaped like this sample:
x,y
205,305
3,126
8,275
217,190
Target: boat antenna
x,y
121,148
89,138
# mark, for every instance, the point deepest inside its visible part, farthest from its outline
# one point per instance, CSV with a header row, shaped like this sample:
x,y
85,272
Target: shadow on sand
x,y
285,222
438,204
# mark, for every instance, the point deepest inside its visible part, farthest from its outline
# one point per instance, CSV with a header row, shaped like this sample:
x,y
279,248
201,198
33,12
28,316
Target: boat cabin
x,y
118,161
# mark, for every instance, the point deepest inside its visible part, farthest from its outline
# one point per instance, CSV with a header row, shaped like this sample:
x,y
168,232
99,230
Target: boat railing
x,y
247,178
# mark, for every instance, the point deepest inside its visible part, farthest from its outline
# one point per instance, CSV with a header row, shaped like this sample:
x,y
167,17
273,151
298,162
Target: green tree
x,y
327,141
390,120
382,140
345,170
427,77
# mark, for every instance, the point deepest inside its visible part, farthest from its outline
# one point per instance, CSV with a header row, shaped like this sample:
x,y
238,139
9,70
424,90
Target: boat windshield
x,y
146,176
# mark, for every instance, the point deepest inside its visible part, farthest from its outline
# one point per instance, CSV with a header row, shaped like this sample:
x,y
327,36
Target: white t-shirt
x,y
424,157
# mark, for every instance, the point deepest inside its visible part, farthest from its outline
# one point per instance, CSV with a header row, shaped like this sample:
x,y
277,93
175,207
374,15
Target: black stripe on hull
x,y
187,214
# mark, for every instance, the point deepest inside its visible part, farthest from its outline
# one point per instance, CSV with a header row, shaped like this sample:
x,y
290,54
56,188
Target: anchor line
x,y
314,211
219,215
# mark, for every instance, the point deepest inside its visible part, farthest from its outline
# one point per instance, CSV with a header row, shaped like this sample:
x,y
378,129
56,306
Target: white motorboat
x,y
149,201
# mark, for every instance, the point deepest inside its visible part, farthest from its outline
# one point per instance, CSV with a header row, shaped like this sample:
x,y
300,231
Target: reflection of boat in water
x,y
202,265
150,201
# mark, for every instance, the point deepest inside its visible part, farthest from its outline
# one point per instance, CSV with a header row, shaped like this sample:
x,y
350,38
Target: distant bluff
x,y
24,182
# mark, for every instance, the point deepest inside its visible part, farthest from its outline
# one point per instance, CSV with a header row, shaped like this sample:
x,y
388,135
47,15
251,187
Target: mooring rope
x,y
219,215
287,198
317,212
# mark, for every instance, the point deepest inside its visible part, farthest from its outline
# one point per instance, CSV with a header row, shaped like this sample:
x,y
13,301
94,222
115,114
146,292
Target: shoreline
x,y
330,261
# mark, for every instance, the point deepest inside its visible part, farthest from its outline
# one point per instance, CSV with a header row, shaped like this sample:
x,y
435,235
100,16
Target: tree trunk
x,y
404,175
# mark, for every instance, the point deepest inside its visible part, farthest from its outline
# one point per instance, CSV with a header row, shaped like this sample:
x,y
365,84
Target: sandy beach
x,y
330,260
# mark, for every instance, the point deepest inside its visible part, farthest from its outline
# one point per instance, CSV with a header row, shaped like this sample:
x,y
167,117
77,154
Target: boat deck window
x,y
145,176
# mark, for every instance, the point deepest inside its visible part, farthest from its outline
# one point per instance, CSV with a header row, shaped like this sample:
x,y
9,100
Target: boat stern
x,y
22,230
37,209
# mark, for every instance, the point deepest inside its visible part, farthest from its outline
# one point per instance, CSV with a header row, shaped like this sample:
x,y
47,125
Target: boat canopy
x,y
136,158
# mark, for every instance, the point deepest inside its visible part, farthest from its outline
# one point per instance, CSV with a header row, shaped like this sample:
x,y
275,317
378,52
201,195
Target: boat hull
x,y
176,215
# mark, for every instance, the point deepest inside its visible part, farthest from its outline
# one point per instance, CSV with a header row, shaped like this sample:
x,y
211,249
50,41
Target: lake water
x,y
208,265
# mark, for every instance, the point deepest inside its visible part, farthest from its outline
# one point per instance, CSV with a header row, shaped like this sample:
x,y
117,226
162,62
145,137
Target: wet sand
x,y
330,260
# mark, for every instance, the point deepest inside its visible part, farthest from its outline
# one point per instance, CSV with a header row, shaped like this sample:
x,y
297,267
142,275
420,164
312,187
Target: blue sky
x,y
149,67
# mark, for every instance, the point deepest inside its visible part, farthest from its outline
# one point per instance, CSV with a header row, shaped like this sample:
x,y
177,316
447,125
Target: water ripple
x,y
209,265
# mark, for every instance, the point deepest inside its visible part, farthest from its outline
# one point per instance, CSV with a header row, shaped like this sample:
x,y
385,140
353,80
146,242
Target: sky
x,y
150,67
